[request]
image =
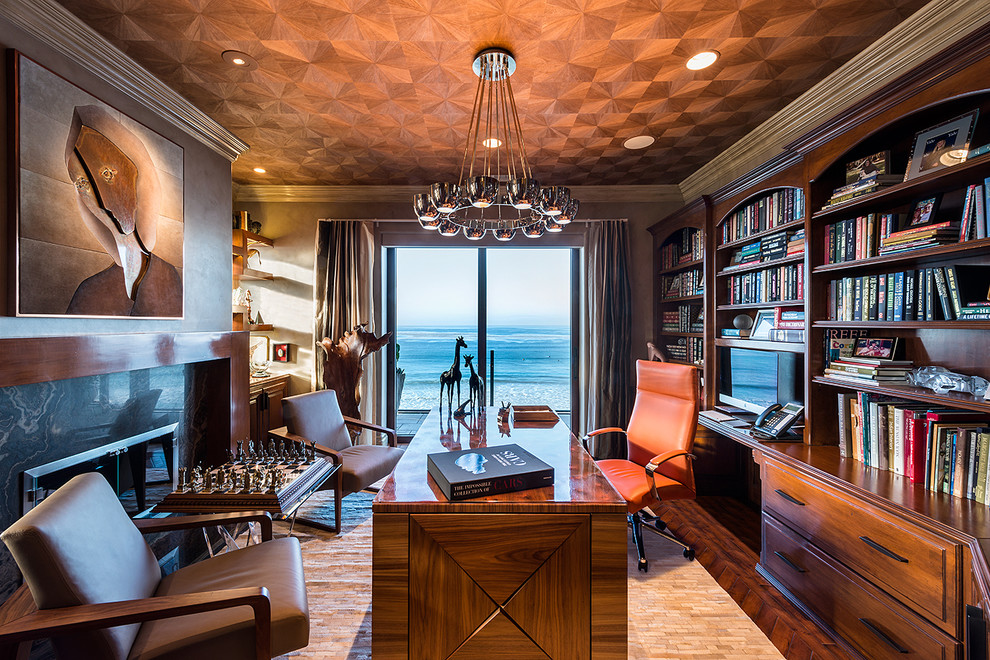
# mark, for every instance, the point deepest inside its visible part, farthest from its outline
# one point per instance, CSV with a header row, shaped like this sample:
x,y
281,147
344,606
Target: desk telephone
x,y
775,420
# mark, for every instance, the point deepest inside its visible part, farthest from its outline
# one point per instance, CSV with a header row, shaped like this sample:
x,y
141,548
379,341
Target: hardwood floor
x,y
730,560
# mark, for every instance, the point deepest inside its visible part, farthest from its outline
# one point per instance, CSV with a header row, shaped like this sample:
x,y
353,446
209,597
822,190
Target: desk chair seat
x,y
659,440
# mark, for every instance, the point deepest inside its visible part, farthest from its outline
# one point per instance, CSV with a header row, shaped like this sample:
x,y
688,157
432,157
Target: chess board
x,y
298,482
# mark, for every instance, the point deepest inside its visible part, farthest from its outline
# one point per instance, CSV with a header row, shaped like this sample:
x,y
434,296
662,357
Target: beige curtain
x,y
608,369
344,298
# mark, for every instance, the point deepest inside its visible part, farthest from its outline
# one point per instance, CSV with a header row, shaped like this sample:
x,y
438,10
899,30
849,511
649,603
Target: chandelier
x,y
494,155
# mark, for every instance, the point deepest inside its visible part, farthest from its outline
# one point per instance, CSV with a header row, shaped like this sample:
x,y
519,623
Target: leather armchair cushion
x,y
229,633
316,416
363,465
80,547
631,482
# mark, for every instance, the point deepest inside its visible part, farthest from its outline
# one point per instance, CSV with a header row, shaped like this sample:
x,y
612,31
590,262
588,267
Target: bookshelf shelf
x,y
698,298
912,393
761,344
909,191
670,333
793,224
920,325
684,266
762,305
924,255
735,270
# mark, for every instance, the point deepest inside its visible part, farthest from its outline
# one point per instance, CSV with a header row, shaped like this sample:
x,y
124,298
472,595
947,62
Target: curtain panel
x,y
610,384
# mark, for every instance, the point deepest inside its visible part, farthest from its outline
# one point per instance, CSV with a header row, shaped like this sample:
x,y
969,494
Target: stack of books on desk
x,y
869,370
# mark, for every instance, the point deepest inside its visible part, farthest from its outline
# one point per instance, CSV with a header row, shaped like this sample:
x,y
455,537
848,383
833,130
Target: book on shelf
x,y
840,342
686,318
686,349
740,333
772,284
862,187
686,283
950,292
777,208
785,335
487,471
688,246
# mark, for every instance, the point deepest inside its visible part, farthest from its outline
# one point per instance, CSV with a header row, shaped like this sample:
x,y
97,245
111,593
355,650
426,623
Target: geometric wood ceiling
x,y
379,92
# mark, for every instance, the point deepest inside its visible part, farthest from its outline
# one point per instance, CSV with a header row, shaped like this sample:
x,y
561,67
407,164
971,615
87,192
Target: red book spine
x,y
917,437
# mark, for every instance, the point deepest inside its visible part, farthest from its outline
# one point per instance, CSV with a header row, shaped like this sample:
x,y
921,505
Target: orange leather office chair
x,y
660,437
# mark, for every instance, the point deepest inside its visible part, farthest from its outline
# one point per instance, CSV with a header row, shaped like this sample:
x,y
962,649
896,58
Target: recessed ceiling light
x,y
260,170
492,143
702,60
239,59
639,142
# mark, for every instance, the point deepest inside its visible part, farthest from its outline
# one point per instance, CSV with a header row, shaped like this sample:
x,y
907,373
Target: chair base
x,y
639,520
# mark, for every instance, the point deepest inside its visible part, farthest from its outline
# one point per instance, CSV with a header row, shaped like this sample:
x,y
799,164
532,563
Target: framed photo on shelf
x,y
941,146
880,348
924,210
871,166
763,324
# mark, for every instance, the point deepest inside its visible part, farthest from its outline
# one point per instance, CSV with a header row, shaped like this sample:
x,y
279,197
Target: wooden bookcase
x,y
242,241
678,254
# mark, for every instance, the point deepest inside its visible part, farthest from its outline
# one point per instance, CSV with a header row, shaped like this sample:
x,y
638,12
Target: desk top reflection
x,y
579,486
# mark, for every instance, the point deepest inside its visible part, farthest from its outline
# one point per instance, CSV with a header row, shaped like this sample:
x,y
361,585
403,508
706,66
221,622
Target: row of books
x,y
686,283
772,284
686,349
975,223
928,294
778,208
945,450
686,318
689,247
860,187
770,248
858,238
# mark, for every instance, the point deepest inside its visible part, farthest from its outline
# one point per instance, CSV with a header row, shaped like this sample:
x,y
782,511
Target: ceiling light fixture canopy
x,y
494,154
702,60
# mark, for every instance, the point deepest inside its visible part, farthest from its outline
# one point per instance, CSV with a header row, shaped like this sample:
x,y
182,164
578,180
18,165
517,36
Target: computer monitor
x,y
752,380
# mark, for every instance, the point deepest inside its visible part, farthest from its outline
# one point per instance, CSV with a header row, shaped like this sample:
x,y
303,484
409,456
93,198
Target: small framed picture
x,y
763,324
941,146
924,210
881,348
280,352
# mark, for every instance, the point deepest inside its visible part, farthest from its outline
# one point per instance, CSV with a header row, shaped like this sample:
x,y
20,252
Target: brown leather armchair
x,y
100,592
316,417
660,438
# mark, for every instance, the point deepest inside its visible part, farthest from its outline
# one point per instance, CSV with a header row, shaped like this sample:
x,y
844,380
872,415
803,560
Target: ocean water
x,y
532,364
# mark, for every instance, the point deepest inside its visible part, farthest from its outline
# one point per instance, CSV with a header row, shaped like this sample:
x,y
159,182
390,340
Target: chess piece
x,y
311,453
230,456
250,449
240,451
208,482
181,486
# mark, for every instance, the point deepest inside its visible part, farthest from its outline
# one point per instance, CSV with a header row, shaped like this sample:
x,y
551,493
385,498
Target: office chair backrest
x,y
78,547
664,416
316,416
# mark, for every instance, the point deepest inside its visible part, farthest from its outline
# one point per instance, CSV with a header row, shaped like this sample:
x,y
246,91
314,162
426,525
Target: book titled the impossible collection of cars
x,y
485,471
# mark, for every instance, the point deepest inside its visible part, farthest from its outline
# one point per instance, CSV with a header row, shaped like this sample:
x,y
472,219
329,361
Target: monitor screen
x,y
753,380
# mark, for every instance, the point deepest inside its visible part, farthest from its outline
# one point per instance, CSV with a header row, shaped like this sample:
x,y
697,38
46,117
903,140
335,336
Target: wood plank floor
x,y
677,610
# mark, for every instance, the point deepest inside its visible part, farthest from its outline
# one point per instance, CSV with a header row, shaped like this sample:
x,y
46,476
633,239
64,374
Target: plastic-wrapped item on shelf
x,y
941,380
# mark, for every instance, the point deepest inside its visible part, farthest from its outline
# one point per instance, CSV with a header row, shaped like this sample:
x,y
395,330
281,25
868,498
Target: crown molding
x,y
404,194
59,29
927,31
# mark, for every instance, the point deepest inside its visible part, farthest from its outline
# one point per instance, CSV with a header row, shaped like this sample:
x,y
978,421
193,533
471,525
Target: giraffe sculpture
x,y
476,385
452,376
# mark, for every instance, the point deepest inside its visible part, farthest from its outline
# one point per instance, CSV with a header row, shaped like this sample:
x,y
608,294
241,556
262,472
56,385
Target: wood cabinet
x,y
265,401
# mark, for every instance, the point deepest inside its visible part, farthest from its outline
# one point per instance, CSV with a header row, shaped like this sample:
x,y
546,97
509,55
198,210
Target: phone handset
x,y
762,419
775,420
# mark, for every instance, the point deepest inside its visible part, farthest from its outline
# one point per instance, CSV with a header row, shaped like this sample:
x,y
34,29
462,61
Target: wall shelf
x,y
761,344
760,265
762,305
923,255
752,238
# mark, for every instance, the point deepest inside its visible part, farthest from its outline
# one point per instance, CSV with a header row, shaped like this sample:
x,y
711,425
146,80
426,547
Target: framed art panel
x,y
97,200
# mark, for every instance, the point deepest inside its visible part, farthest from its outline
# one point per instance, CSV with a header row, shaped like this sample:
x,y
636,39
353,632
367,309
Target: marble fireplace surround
x,y
216,396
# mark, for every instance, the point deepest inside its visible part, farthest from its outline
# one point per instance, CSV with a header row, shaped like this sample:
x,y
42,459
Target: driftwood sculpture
x,y
342,368
452,376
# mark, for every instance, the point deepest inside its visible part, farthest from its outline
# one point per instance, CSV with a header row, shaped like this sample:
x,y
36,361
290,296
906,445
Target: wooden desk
x,y
502,576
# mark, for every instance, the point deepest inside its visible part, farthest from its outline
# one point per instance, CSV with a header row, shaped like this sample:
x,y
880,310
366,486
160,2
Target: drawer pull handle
x,y
883,637
784,558
787,497
879,548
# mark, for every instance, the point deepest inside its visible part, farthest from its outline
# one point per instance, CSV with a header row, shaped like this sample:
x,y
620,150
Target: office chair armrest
x,y
393,440
659,460
590,434
283,432
62,620
174,523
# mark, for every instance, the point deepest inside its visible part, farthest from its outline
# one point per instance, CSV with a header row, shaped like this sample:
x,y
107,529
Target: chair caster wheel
x,y
689,554
644,565
659,524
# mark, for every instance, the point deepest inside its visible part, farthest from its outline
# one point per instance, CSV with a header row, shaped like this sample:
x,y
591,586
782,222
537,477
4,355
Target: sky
x,y
439,286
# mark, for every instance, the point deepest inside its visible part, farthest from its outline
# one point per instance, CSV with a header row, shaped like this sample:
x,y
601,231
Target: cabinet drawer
x,y
910,563
873,623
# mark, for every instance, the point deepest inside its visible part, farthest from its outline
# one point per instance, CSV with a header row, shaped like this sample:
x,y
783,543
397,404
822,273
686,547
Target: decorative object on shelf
x,y
881,348
253,252
280,352
924,210
866,168
237,297
941,146
476,386
941,380
111,246
654,354
247,305
254,227
452,376
494,153
259,356
763,324
400,378
342,368
742,322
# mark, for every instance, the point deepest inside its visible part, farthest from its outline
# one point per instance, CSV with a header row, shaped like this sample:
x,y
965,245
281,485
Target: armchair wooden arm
x,y
58,621
590,434
153,525
283,432
659,460
393,440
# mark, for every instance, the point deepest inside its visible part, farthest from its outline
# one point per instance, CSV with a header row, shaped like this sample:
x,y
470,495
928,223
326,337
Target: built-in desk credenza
x,y
530,574
881,562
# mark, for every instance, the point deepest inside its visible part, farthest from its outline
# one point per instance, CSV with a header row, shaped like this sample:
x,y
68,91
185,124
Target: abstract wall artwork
x,y
98,201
